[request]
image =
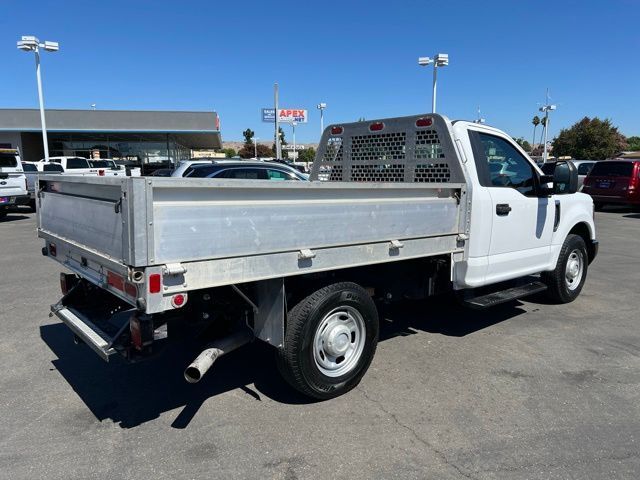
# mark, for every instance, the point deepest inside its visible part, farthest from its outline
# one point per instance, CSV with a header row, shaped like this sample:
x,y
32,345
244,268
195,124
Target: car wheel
x,y
598,206
565,282
330,340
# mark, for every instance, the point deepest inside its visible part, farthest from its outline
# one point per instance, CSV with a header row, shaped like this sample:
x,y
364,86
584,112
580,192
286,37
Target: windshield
x,y
612,169
8,160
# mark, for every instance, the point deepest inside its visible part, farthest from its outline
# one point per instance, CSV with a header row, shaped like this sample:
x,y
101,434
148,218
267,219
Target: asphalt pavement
x,y
527,390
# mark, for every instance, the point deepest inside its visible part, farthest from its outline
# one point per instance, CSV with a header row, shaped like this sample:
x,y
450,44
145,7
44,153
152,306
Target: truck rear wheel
x,y
565,282
330,340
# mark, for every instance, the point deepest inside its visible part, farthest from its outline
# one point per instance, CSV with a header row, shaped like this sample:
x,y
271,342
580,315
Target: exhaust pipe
x,y
216,349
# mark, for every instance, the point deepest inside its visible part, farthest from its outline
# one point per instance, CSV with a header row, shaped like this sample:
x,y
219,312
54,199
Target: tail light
x,y
53,251
26,184
424,122
376,126
179,300
336,130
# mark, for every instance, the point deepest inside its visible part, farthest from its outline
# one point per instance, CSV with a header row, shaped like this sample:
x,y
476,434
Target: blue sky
x,y
359,57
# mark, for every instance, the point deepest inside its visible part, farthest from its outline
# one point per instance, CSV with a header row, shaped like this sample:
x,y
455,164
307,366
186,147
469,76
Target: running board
x,y
502,296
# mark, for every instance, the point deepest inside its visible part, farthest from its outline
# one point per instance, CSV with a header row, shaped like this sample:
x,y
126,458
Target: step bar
x,y
85,331
496,298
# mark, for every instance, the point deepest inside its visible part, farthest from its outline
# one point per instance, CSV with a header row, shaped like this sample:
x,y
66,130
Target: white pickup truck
x,y
85,167
13,183
396,208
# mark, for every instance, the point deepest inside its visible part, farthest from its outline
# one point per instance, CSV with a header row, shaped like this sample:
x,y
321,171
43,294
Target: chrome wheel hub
x,y
574,269
339,341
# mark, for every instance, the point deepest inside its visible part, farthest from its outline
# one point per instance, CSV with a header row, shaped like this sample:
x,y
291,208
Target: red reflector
x,y
115,280
336,130
136,333
376,127
424,122
154,283
178,300
64,285
53,251
130,289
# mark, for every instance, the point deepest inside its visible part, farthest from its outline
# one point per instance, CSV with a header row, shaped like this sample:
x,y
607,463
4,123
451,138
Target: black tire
x,y
297,361
3,213
597,206
560,289
32,205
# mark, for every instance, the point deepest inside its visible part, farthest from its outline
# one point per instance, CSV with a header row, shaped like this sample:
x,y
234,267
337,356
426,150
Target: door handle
x,y
503,209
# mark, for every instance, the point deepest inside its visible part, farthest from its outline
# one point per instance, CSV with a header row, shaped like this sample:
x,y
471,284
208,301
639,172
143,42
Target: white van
x,y
13,183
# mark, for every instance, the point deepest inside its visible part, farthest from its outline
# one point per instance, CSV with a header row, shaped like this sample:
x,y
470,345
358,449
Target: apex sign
x,y
285,115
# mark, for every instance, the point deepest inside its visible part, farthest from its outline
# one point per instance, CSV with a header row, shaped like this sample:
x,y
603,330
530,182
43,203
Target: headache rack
x,y
415,149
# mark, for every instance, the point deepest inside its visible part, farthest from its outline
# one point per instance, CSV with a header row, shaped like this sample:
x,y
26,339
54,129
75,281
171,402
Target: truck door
x,y
522,223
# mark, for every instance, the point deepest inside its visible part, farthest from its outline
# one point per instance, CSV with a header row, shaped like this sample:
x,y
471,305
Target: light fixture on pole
x,y
546,108
440,60
321,107
255,147
30,43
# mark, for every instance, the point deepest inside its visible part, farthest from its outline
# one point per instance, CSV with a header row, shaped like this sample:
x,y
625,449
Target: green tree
x,y
633,143
248,136
229,152
249,151
526,146
589,139
536,122
307,155
283,141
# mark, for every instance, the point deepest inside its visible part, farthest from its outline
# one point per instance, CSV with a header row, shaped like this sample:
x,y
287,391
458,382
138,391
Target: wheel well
x,y
582,229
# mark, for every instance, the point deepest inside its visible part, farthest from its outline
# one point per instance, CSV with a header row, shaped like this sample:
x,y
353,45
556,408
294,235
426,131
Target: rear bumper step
x,y
502,296
86,331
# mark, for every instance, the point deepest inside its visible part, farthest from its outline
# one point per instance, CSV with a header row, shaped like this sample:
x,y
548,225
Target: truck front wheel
x,y
330,340
565,282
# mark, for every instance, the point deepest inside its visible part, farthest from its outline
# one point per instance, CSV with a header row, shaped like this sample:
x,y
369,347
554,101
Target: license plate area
x,y
604,184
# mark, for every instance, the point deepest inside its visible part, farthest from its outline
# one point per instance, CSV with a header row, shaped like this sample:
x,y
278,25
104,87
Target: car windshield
x,y
8,160
612,169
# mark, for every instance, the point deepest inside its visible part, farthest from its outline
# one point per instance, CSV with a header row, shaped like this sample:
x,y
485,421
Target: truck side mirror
x,y
565,176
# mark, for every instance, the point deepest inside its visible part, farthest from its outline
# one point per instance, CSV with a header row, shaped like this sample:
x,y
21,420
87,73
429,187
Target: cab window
x,y
245,173
77,163
500,164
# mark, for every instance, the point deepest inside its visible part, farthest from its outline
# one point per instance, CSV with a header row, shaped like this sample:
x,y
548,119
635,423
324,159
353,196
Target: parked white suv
x,y
13,183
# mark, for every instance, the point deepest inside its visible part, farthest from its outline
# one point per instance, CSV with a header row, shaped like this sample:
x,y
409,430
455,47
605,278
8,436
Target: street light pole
x,y
440,60
275,101
321,107
255,147
295,153
546,108
32,44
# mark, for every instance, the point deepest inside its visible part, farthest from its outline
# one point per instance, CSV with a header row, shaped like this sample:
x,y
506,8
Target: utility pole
x,y
321,107
277,135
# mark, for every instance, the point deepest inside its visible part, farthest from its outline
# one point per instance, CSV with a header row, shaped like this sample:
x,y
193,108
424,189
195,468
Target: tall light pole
x,y
546,108
293,126
321,107
255,147
30,43
440,60
275,105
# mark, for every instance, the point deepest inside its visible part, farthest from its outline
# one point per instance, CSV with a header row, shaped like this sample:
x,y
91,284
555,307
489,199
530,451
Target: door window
x,y
504,166
246,173
279,175
77,163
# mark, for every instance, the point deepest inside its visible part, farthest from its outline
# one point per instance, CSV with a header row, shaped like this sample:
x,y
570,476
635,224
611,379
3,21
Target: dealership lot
x,y
527,390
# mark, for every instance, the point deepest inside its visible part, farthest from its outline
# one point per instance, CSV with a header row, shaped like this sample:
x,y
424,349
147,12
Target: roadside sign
x,y
269,115
285,115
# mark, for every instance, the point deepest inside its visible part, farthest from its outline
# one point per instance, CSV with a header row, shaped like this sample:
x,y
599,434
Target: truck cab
x,y
518,225
13,183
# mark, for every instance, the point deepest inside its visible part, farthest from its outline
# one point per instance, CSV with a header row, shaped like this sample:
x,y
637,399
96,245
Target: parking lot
x,y
526,390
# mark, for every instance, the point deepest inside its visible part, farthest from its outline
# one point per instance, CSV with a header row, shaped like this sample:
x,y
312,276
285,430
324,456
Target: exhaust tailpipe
x,y
217,348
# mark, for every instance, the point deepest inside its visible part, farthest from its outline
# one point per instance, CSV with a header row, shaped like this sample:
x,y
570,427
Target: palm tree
x,y
543,122
536,122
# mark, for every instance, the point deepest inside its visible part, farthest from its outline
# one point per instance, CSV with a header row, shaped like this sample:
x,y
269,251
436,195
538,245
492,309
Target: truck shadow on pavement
x,y
132,394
